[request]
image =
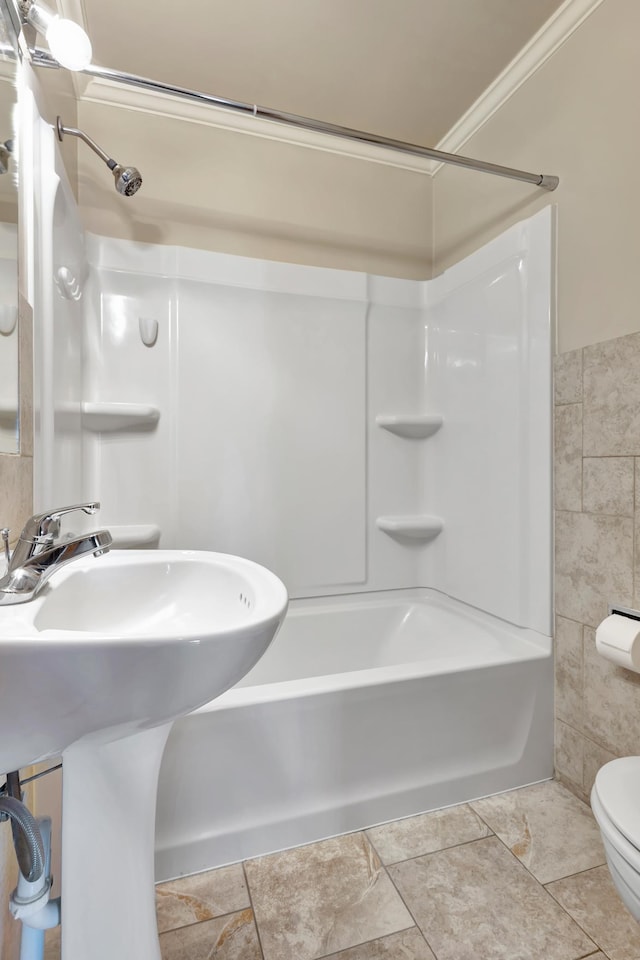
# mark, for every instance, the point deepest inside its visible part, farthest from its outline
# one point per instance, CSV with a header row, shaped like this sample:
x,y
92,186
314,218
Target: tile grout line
x,y
509,850
406,905
255,918
428,853
570,876
364,943
577,923
598,948
385,868
543,887
198,923
564,910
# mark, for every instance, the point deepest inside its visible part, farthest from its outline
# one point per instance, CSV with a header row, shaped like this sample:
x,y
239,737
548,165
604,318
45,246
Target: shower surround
x,y
350,432
361,436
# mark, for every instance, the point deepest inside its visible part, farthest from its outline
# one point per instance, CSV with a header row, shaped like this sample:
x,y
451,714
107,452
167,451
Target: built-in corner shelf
x,y
135,536
413,427
107,417
420,526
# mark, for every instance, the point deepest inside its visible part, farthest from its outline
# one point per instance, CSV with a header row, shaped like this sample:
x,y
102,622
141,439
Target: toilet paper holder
x,y
618,637
624,611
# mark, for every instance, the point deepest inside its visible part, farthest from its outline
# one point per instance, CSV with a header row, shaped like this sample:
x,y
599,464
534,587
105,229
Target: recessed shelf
x,y
106,417
420,526
134,536
411,426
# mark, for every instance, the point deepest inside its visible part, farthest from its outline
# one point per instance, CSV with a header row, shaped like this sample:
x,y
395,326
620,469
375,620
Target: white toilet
x,y
615,801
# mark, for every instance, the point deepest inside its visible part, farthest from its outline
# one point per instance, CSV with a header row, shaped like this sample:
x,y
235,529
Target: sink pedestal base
x,y
108,826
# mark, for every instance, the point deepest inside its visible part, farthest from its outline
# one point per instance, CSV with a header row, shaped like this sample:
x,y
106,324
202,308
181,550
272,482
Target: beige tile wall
x,y
597,552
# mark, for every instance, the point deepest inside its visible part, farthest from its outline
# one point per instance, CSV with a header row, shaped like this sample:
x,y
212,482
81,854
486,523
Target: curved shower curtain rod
x,y
546,181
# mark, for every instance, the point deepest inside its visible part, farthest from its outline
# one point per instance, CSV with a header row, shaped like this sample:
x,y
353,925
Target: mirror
x,y
8,245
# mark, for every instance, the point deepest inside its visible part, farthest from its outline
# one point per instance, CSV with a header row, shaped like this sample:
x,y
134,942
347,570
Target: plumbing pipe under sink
x,y
30,903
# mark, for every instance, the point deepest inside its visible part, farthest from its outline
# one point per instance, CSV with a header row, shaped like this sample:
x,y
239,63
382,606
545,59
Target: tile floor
x,y
520,876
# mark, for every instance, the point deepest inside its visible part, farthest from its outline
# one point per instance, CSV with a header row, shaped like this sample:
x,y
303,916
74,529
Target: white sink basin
x,y
126,642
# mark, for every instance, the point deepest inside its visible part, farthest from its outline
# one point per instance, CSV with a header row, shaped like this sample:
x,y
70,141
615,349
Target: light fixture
x,y
67,41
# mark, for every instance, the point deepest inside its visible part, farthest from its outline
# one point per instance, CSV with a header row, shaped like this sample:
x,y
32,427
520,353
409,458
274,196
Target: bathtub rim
x,y
528,645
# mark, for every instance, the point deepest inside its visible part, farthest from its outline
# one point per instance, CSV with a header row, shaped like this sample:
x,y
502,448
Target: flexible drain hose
x,y
27,839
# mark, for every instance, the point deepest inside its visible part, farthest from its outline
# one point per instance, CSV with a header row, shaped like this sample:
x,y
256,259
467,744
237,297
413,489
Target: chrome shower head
x,y
128,179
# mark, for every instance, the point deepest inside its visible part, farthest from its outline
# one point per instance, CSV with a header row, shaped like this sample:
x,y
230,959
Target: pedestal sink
x,y
97,668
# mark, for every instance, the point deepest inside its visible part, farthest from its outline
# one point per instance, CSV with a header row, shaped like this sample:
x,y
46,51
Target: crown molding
x,y
556,31
112,93
540,48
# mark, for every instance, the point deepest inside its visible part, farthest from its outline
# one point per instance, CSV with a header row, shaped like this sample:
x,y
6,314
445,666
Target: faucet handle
x,y
43,527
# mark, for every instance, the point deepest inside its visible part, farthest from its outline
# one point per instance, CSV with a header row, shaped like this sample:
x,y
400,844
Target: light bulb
x,y
69,44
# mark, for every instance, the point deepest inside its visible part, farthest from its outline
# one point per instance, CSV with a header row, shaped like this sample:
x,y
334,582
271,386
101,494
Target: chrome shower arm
x,y
74,132
128,180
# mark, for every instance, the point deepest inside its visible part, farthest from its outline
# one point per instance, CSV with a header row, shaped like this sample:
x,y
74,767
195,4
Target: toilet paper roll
x,y
618,639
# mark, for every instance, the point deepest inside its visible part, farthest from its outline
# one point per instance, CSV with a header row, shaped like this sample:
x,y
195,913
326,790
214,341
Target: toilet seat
x,y
613,837
623,859
617,789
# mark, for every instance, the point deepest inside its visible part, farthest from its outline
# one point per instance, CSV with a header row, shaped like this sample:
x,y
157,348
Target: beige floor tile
x,y
476,901
427,833
323,898
592,900
407,945
201,897
548,829
232,937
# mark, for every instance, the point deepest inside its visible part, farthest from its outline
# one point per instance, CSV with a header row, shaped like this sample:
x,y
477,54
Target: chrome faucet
x,y
38,554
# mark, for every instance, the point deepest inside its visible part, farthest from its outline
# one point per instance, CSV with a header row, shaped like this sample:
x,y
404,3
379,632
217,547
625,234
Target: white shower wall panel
x,y
396,370
269,378
490,373
271,421
131,470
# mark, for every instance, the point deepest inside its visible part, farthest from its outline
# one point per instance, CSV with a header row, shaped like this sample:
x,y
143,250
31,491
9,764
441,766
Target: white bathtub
x,y
364,709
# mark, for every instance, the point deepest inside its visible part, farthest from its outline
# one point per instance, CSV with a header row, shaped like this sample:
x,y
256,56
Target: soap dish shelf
x,y
103,417
411,426
411,527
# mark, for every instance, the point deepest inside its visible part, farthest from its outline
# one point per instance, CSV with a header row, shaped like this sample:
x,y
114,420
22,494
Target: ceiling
x,y
407,69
